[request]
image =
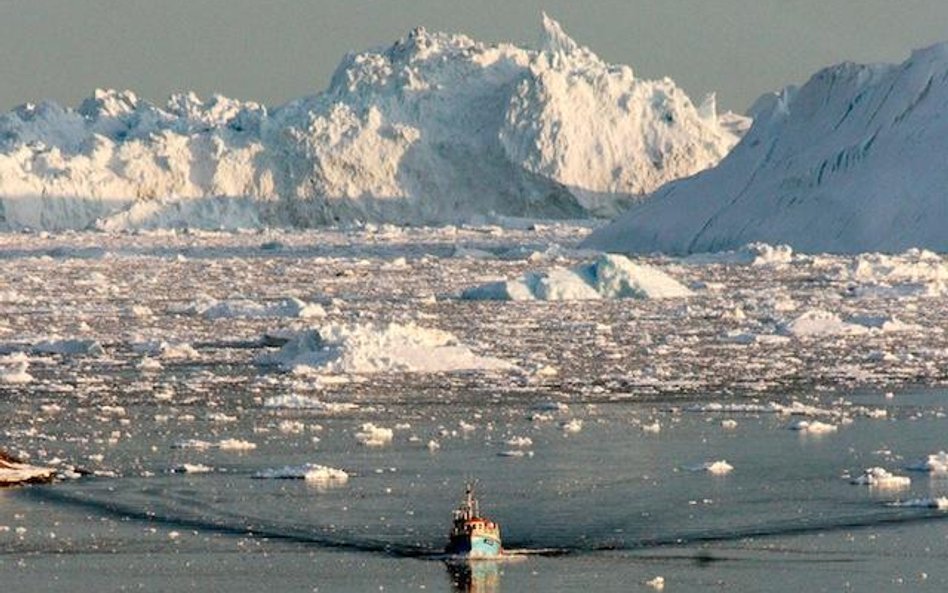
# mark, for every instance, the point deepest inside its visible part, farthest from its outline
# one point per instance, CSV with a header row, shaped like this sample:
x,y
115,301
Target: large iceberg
x,y
609,276
851,162
435,128
373,348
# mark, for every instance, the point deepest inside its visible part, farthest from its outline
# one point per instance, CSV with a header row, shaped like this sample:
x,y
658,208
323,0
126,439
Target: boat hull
x,y
475,546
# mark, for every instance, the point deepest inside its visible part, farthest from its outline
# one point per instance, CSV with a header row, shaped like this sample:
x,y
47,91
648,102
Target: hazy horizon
x,y
277,51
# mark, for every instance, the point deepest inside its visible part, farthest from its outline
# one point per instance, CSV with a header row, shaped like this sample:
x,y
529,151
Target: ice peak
x,y
555,38
109,103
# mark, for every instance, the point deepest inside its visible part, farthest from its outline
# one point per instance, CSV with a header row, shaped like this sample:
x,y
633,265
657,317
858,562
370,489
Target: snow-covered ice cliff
x,y
435,128
853,161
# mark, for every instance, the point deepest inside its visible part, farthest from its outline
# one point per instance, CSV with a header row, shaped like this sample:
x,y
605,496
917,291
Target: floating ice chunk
x,y
225,444
291,427
654,427
515,453
940,503
13,369
609,276
817,323
245,308
310,472
433,445
755,254
191,468
729,424
371,435
574,425
658,583
13,471
813,427
878,477
518,441
718,468
166,350
149,364
375,349
302,402
551,407
936,463
69,347
236,445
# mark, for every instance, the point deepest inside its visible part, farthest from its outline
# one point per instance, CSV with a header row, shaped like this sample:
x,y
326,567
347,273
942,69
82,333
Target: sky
x,y
272,51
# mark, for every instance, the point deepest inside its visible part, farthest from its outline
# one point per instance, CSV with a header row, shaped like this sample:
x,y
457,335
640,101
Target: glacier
x,y
437,128
853,161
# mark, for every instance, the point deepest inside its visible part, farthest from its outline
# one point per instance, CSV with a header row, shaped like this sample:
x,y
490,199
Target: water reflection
x,y
474,576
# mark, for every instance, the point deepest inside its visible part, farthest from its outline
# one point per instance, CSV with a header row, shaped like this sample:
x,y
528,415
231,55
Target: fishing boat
x,y
473,536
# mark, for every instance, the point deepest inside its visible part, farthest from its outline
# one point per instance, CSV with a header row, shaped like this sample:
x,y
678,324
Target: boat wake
x,y
335,537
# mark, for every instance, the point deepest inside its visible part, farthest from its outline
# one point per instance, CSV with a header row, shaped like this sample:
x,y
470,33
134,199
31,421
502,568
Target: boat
x,y
473,536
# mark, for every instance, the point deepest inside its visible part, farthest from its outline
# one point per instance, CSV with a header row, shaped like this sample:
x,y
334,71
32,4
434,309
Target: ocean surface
x,y
597,472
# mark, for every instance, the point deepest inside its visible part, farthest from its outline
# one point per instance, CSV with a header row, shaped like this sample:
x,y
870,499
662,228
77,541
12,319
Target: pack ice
x,y
851,162
436,128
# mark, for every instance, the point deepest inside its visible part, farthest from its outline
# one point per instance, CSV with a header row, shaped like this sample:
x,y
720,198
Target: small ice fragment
x,y
813,427
729,424
718,468
574,425
517,441
371,435
655,427
658,583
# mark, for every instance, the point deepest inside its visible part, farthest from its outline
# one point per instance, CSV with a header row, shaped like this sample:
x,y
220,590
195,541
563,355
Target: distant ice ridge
x,y
436,128
851,162
609,276
370,348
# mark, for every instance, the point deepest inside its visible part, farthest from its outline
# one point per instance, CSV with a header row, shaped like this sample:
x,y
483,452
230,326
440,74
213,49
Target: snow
x,y
609,276
310,472
436,128
370,348
878,477
850,162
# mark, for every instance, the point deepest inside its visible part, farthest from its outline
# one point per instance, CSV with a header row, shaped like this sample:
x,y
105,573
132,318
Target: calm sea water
x,y
606,508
